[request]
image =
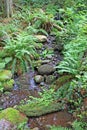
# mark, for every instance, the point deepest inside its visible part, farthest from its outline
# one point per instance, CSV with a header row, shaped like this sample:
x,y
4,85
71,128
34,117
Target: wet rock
x,y
46,69
49,79
39,78
41,38
6,125
36,128
49,56
13,115
42,84
45,61
15,98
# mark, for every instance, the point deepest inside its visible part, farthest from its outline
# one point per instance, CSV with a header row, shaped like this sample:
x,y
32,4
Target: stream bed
x,y
26,86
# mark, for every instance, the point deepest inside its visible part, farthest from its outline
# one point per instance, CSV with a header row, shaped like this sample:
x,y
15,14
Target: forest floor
x,y
41,78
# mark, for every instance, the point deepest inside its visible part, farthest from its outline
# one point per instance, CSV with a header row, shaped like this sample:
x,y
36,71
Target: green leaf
x,y
2,65
8,59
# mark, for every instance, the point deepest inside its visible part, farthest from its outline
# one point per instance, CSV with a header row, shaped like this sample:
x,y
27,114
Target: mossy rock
x,y
40,108
39,79
13,115
5,75
8,85
46,69
61,81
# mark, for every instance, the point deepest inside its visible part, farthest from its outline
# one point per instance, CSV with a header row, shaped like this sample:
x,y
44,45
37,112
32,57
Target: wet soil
x,y
62,118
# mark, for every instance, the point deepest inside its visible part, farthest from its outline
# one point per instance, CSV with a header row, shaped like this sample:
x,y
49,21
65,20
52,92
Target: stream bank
x,y
37,80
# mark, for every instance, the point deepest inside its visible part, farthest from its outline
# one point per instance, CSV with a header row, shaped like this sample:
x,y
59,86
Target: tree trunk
x,y
8,8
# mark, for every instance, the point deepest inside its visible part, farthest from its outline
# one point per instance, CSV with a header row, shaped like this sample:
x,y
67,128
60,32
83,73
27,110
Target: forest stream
x,y
26,86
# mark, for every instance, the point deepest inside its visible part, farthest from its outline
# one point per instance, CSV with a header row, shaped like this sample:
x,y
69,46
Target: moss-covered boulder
x,y
13,115
61,81
8,85
40,108
46,69
38,78
5,75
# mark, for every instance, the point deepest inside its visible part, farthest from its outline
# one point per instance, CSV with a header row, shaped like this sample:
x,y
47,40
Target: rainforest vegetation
x,y
43,65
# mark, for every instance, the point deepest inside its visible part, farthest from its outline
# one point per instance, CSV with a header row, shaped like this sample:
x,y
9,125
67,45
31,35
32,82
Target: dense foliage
x,y
65,20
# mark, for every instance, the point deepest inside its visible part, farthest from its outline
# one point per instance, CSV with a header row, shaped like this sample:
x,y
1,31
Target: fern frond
x,y
14,66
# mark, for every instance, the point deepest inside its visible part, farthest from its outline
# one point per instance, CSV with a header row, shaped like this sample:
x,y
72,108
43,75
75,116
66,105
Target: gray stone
x,y
46,69
45,61
7,125
36,128
42,84
49,56
38,78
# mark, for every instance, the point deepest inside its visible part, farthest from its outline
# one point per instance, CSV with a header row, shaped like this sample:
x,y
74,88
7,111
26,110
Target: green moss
x,y
8,85
61,81
5,75
39,108
13,115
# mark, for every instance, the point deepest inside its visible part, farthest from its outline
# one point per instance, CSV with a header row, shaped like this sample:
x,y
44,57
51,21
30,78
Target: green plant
x,y
77,125
43,20
20,52
58,128
47,53
46,97
1,87
23,126
74,51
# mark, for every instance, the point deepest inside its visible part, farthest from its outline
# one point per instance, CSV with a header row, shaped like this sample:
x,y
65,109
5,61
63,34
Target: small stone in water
x,y
42,83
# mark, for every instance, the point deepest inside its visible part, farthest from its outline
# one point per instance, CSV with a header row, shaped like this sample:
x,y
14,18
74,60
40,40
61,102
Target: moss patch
x,y
61,81
38,108
5,75
13,115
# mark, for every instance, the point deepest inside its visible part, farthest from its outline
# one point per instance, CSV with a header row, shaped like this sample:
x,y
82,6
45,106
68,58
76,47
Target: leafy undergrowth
x,y
75,126
68,24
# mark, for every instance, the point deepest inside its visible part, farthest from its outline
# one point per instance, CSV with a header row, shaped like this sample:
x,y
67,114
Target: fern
x,y
58,128
14,66
21,50
73,54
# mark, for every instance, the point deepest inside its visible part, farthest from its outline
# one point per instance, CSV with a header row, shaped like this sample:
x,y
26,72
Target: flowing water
x,y
25,86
